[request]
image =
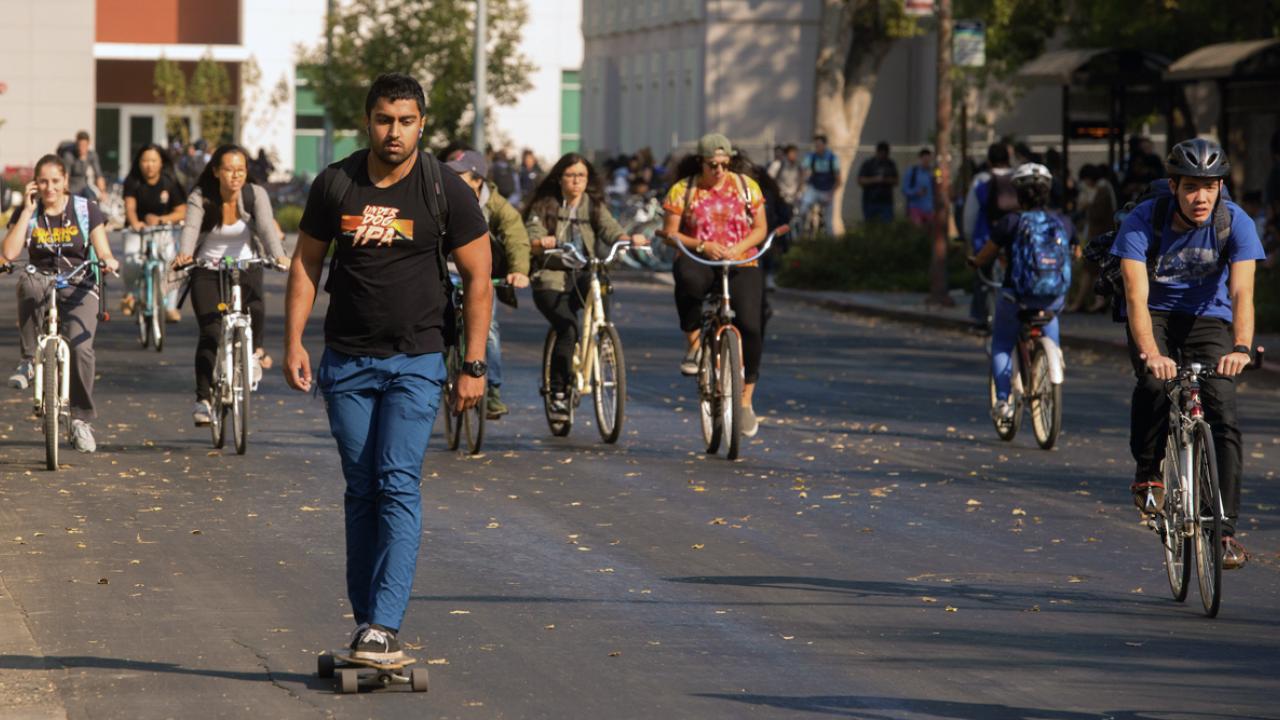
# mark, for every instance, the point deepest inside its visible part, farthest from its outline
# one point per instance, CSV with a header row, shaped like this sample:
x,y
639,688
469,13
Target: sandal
x,y
263,358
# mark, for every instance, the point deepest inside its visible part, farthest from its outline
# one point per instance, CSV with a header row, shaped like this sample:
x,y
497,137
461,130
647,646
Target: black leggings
x,y
746,288
561,309
205,297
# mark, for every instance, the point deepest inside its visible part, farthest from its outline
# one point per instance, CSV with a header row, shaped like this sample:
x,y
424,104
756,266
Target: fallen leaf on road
x,y
1136,590
788,637
1074,579
951,609
972,503
103,581
437,661
697,546
717,521
493,526
1019,511
459,612
196,532
615,653
308,508
605,570
928,599
1133,644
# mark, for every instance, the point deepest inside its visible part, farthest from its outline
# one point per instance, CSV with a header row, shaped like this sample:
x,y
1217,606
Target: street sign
x,y
917,8
969,44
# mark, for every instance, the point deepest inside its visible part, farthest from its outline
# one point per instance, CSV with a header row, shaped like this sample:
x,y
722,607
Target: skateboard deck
x,y
353,672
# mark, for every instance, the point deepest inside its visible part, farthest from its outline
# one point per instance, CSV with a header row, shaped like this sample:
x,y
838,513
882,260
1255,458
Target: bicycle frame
x,y
594,315
234,318
51,334
1185,411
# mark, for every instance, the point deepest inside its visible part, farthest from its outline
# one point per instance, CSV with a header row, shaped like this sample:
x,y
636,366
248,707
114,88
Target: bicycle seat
x,y
1035,317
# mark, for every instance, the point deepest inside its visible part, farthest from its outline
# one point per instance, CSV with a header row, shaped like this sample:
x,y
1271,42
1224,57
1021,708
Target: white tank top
x,y
227,241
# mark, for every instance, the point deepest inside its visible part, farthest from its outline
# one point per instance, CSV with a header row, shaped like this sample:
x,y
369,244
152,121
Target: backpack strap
x,y
438,206
1159,219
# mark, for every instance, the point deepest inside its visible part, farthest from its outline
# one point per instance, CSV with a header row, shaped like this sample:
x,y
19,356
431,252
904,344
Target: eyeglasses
x,y
574,176
716,164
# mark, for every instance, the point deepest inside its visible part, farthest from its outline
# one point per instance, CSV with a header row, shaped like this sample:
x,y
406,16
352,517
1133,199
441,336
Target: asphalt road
x,y
877,553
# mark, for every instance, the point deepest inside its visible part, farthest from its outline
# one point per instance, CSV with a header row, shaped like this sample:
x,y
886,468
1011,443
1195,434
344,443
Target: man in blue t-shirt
x,y
822,174
1192,298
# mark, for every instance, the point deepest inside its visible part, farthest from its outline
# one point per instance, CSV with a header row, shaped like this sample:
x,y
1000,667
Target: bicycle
x,y
1190,520
720,370
468,423
1038,373
992,279
597,366
52,381
150,286
233,383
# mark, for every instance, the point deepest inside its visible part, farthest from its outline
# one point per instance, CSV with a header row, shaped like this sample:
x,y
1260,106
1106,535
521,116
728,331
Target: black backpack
x,y
1110,282
1002,198
438,205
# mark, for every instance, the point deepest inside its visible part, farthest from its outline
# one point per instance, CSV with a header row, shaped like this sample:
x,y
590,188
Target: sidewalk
x,y
1094,331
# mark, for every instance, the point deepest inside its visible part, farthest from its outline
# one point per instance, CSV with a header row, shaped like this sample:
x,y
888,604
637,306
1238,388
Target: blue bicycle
x,y
150,288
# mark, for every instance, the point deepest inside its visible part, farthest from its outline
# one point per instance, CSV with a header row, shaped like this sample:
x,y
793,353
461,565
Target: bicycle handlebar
x,y
574,257
229,263
68,275
764,248
1196,370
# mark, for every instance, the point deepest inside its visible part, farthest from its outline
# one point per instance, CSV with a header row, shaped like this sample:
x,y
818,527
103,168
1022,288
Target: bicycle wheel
x,y
1005,431
241,381
1208,519
609,384
157,307
1177,544
140,316
452,421
559,428
472,421
52,404
1046,401
730,376
709,396
217,407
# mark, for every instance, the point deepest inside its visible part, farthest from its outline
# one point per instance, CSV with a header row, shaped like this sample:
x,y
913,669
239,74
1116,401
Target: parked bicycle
x,y
158,242
235,374
1190,519
597,366
1038,373
52,401
720,369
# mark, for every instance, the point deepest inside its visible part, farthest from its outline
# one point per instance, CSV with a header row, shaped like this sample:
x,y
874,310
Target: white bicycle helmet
x,y
1032,174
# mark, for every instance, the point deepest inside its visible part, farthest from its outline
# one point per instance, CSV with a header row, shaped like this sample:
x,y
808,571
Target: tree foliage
x,y
210,89
433,40
1170,27
169,86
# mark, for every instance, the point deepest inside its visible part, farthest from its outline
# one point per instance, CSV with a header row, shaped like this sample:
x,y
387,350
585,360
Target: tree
x,y
169,86
1170,27
210,89
259,104
432,40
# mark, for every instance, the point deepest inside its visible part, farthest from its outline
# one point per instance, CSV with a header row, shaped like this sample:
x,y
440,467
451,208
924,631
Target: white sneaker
x,y
21,377
1002,412
750,424
255,372
689,365
202,414
82,437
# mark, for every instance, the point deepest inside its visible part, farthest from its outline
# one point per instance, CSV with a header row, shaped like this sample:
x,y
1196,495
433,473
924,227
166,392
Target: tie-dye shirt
x,y
718,215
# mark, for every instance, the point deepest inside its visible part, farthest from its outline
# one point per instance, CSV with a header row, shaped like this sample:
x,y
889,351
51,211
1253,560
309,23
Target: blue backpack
x,y
1041,260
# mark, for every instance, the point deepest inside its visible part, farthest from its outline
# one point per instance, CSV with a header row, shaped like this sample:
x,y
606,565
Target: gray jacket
x,y
265,239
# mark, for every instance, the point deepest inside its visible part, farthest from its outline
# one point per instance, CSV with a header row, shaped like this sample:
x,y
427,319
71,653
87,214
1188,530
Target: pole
x,y
482,73
1066,133
942,193
326,145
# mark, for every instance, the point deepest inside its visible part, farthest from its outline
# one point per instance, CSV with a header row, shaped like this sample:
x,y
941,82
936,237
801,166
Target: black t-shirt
x,y
882,193
60,234
158,199
387,298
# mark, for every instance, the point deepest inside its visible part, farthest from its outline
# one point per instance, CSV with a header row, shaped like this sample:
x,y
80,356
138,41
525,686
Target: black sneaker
x,y
355,636
377,644
559,407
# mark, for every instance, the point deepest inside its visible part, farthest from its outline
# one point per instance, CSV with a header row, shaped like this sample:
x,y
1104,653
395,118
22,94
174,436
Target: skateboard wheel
x,y
325,666
418,679
348,681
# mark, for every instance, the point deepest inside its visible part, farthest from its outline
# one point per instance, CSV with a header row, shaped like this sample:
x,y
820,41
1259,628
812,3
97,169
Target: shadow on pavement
x,y
885,708
69,662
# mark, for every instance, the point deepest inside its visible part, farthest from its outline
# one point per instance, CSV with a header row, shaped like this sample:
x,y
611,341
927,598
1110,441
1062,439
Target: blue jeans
x,y
493,351
381,411
877,212
1004,335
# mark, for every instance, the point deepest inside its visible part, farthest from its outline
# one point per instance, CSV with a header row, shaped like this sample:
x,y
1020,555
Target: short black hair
x,y
882,146
820,138
1033,196
395,86
998,155
925,151
82,135
790,147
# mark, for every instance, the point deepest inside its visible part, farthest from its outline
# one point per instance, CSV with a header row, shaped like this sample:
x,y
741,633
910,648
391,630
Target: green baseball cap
x,y
712,143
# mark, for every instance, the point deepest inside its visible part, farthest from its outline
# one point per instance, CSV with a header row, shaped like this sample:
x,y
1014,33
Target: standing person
x,y
917,186
502,174
509,248
878,176
152,196
1192,302
384,212
84,170
717,211
822,175
227,216
59,232
1098,201
527,177
788,173
568,208
991,197
192,164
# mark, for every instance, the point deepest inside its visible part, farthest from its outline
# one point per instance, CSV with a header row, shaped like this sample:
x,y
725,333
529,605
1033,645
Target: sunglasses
x,y
716,164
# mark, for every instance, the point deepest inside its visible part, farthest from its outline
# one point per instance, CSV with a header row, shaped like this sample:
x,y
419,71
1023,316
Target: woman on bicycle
x,y
716,210
227,216
152,196
59,233
1033,224
567,208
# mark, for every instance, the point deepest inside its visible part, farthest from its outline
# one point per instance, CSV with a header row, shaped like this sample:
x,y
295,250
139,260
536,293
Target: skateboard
x,y
352,672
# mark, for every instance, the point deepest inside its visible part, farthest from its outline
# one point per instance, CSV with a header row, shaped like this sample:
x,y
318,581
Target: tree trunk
x,y
849,58
942,193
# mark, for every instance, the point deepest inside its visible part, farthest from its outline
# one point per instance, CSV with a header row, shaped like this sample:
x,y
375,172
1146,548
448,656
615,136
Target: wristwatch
x,y
1243,349
475,368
